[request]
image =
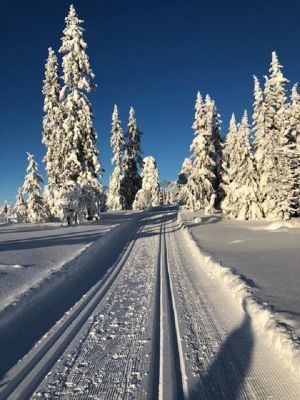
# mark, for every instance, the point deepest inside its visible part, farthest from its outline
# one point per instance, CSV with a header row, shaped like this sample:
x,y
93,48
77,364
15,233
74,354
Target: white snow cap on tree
x,y
36,207
78,137
202,179
116,197
240,184
149,195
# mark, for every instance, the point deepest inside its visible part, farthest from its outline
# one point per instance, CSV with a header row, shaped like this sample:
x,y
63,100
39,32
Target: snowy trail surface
x,y
156,326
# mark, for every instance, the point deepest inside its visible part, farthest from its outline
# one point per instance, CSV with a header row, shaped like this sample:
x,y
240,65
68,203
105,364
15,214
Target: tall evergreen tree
x,y
240,185
78,148
132,161
36,207
228,148
202,180
116,195
51,128
270,143
214,124
293,138
149,195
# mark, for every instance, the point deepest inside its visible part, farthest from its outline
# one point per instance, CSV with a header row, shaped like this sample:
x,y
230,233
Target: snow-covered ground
x,y
141,317
266,253
30,253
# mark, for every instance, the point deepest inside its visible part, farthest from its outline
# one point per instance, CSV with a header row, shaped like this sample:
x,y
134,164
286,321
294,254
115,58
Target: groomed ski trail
x,y
159,327
225,357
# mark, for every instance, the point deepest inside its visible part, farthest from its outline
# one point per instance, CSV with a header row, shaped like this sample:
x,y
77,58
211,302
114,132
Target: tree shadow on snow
x,y
226,375
49,241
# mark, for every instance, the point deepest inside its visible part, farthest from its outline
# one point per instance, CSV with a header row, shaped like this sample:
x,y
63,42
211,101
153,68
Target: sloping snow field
x,y
142,317
266,253
29,253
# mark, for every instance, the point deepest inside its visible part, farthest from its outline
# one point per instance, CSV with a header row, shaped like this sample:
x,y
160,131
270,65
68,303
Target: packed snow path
x,y
155,326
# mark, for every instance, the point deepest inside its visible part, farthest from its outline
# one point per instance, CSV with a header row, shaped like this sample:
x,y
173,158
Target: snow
x,y
158,317
260,263
31,253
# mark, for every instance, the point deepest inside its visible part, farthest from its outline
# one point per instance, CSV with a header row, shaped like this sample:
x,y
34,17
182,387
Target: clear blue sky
x,y
153,55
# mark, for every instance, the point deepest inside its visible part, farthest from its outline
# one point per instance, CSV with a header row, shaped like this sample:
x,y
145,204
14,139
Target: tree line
x,y
254,172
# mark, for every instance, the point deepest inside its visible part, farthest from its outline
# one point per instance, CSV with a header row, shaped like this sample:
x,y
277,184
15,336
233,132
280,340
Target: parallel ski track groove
x,y
26,380
178,367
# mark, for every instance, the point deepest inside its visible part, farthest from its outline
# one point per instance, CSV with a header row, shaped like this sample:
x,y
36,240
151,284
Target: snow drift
x,y
279,334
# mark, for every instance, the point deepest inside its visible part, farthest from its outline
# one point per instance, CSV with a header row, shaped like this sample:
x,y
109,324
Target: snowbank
x,y
283,224
76,266
279,334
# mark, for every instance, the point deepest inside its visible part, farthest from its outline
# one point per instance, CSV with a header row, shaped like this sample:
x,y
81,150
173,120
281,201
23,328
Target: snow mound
x,y
7,266
279,334
197,220
282,224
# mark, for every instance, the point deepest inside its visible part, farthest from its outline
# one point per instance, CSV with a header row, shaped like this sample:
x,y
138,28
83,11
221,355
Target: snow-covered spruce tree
x,y
132,161
115,198
293,138
240,184
51,129
202,180
36,207
229,147
149,195
214,124
78,146
183,176
270,112
20,208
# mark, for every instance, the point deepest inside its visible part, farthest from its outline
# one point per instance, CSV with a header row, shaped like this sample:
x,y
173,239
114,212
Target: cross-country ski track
x,y
156,325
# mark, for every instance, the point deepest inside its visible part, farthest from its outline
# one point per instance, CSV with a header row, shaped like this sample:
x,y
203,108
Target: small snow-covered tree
x,y
78,137
240,184
132,161
20,207
202,179
183,176
116,197
36,207
149,195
